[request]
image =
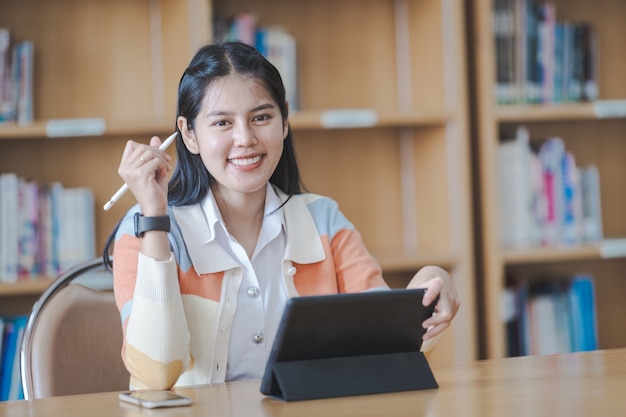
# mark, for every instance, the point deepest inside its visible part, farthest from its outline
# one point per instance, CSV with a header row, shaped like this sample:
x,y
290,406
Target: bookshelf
x,y
117,62
593,135
404,60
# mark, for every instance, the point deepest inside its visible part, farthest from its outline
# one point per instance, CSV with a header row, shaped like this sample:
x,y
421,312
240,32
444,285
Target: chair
x,y
73,339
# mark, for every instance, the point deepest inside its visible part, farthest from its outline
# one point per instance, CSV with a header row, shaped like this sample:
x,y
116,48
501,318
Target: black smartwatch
x,y
145,224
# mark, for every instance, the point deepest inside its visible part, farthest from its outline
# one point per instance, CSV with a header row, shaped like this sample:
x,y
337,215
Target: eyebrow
x,y
257,108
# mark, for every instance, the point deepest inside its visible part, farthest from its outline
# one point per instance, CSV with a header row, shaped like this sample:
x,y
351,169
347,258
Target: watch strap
x,y
145,224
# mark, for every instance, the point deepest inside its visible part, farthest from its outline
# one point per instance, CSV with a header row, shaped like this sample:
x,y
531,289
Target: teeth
x,y
245,161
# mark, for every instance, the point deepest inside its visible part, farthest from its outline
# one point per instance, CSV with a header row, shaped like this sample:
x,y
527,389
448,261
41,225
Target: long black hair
x,y
191,180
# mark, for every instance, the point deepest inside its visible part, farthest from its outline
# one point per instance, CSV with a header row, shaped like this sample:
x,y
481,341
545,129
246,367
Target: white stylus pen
x,y
167,142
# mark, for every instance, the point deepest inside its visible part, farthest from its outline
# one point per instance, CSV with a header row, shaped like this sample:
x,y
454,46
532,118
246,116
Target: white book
x,y
281,51
516,191
76,227
591,204
544,326
9,244
28,228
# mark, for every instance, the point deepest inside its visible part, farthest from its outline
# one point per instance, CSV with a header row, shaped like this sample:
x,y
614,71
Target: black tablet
x,y
321,334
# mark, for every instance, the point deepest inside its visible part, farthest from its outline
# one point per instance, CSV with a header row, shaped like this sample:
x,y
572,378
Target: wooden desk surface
x,y
579,384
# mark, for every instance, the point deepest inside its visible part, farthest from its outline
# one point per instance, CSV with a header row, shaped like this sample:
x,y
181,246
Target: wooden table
x,y
579,384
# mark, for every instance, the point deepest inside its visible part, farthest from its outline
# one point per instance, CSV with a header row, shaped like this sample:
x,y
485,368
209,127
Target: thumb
x,y
155,141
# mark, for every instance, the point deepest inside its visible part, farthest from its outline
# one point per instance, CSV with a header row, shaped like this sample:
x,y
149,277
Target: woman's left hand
x,y
437,282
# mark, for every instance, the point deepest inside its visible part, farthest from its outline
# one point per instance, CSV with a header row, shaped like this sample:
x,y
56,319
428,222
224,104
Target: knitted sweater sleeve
x,y
156,336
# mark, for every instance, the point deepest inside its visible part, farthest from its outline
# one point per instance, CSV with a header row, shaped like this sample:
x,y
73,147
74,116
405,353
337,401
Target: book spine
x,y
23,71
591,205
7,99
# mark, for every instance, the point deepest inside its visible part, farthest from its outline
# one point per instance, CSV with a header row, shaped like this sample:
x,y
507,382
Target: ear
x,y
189,135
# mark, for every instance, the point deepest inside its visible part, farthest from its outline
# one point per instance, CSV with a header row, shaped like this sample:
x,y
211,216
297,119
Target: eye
x,y
221,123
262,117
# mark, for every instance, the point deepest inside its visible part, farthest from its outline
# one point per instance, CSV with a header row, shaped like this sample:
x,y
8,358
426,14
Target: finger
x,y
433,289
435,330
155,141
442,315
129,148
152,153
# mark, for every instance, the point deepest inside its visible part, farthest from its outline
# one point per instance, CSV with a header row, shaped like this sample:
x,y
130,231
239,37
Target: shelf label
x,y
57,128
349,118
609,108
613,248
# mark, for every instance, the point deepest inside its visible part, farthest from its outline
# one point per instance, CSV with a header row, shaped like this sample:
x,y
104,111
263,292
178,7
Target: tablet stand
x,y
348,376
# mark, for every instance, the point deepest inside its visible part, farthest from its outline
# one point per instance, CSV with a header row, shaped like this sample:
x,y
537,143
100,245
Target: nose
x,y
244,135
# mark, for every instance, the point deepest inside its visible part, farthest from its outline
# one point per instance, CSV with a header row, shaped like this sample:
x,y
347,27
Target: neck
x,y
243,215
240,207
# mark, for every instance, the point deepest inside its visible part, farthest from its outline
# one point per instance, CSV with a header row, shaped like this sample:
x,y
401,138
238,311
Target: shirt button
x,y
254,292
291,271
258,338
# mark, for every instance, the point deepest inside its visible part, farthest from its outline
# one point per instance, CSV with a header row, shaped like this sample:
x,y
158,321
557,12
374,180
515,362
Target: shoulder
x,y
324,211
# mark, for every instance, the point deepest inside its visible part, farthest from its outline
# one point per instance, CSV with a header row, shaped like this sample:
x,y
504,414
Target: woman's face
x,y
239,134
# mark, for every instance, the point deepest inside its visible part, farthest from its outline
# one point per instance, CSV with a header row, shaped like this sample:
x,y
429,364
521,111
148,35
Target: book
x,y
28,228
592,229
583,313
531,89
540,59
520,185
7,91
9,212
542,315
571,226
545,62
551,155
243,28
504,45
550,315
273,42
23,57
10,381
76,237
589,72
279,47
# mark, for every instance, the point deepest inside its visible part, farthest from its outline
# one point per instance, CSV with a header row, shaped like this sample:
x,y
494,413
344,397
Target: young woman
x,y
204,265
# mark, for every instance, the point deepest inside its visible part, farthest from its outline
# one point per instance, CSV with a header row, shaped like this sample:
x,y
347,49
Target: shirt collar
x,y
272,210
197,223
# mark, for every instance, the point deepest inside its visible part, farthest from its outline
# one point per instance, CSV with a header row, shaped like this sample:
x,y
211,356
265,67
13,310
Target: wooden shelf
x,y
40,129
610,248
313,120
33,286
560,112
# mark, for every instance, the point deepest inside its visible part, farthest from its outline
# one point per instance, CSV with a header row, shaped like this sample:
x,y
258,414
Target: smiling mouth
x,y
245,161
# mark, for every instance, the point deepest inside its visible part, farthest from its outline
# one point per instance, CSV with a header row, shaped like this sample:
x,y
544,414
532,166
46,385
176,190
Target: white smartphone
x,y
154,398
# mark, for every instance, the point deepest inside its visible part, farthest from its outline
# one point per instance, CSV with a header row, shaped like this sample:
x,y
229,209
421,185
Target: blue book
x,y
10,378
583,313
8,353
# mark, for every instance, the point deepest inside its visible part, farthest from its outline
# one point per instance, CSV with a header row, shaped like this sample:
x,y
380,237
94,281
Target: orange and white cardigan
x,y
177,314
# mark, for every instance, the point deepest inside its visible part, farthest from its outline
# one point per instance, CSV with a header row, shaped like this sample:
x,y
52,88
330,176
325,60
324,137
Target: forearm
x,y
156,339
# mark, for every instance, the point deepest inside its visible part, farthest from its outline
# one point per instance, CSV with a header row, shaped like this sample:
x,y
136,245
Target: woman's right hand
x,y
145,168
